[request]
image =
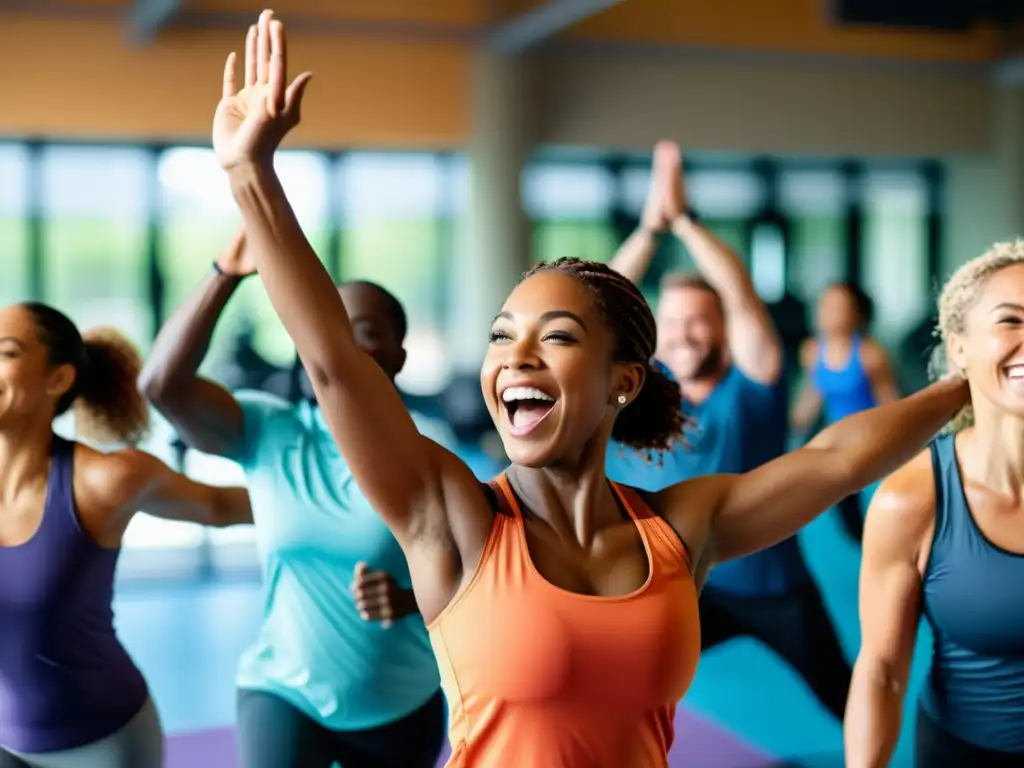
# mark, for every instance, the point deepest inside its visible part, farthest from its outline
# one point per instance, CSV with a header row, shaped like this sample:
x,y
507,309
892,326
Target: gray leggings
x,y
137,744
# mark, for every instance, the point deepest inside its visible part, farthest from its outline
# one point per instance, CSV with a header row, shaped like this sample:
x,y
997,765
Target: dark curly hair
x,y
654,420
108,406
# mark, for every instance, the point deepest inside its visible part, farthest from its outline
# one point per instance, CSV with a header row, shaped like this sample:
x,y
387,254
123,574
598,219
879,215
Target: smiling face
x,y
549,378
29,386
378,326
990,344
838,313
691,331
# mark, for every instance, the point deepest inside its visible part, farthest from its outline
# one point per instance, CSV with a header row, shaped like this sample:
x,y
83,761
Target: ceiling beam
x,y
148,17
534,27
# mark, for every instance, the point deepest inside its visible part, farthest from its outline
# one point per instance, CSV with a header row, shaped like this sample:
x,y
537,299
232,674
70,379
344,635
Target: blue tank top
x,y
739,427
65,680
845,391
974,602
313,525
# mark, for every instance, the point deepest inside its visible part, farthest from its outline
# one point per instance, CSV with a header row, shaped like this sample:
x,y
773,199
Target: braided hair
x,y
654,419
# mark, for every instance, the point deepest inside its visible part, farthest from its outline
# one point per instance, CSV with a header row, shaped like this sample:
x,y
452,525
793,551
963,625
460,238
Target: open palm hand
x,y
251,122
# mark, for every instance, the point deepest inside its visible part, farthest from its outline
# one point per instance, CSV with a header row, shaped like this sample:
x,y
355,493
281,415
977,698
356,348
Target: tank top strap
x,y
950,503
59,514
855,345
662,537
506,498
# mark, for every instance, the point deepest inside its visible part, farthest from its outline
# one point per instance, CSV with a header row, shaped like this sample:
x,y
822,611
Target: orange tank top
x,y
538,677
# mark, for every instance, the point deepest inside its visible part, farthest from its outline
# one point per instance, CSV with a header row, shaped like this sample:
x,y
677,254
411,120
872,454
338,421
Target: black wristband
x,y
692,215
222,273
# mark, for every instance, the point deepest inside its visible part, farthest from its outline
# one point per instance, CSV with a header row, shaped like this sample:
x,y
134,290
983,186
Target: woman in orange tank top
x,y
562,608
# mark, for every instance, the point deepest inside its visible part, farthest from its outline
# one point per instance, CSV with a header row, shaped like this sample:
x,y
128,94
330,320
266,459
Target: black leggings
x,y
274,734
935,747
852,517
795,625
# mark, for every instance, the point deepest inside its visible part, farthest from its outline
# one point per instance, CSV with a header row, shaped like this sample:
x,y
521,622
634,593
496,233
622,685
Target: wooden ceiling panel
x,y
459,13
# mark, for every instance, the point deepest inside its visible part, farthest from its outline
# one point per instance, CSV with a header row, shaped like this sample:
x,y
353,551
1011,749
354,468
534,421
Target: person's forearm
x,y
871,727
301,291
716,262
634,256
877,441
183,341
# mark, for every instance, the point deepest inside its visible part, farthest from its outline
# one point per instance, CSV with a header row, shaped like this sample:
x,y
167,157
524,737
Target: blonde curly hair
x,y
960,293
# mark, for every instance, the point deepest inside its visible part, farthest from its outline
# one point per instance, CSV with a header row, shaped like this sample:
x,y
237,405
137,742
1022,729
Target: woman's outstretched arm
x,y
409,480
897,538
755,510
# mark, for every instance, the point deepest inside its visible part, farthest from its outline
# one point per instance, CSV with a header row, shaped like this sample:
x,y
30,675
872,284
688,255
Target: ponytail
x,y
109,408
654,421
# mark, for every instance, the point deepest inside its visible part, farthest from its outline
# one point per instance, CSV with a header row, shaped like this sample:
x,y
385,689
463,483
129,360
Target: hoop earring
x,y
622,399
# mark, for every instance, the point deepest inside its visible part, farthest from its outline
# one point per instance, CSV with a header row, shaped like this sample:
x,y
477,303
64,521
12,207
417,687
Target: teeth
x,y
525,393
1015,371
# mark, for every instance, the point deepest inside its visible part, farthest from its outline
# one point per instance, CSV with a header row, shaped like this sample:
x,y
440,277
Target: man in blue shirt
x,y
716,338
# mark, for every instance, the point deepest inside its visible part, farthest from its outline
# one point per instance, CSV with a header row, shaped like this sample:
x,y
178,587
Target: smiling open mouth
x,y
526,408
1015,373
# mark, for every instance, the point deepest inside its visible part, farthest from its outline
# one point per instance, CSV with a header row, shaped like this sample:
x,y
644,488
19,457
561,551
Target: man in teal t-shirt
x,y
342,670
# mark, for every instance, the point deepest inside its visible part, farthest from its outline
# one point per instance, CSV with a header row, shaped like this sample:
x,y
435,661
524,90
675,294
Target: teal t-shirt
x,y
313,525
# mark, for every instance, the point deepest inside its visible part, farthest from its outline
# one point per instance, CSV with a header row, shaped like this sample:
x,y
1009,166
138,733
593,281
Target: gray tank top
x,y
974,602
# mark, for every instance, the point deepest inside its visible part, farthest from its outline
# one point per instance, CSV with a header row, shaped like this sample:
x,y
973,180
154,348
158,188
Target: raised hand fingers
x,y
250,56
293,96
263,47
278,67
229,87
666,161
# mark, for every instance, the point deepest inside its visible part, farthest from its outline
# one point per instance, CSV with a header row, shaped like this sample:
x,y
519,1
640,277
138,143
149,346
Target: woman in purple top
x,y
70,696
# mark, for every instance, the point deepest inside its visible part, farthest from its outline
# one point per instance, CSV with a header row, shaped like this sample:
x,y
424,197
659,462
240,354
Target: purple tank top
x,y
65,680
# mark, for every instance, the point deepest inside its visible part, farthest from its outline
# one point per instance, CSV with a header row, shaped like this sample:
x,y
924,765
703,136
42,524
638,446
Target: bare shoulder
x,y
808,352
873,354
690,508
902,512
463,514
110,481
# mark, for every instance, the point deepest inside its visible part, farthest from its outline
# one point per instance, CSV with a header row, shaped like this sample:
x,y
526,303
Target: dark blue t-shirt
x,y
740,426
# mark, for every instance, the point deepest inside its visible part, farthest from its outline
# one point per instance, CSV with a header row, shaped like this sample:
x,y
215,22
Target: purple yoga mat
x,y
699,744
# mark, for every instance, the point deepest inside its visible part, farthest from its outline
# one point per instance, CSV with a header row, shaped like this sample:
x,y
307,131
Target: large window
x,y
199,219
95,213
14,209
570,206
896,258
814,202
393,233
122,235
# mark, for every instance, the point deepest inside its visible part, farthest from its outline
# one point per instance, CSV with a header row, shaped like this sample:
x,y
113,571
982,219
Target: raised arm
x,y
203,413
879,371
899,525
111,488
753,511
409,480
634,256
753,340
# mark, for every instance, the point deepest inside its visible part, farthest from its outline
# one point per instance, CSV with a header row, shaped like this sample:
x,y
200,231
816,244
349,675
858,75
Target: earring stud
x,y
622,399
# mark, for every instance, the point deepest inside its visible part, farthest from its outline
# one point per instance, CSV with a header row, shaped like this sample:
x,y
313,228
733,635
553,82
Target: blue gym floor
x,y
187,640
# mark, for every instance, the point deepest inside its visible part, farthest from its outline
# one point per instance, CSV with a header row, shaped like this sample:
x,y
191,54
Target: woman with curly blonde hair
x,y
944,539
70,696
